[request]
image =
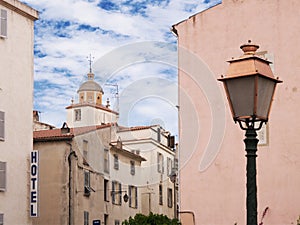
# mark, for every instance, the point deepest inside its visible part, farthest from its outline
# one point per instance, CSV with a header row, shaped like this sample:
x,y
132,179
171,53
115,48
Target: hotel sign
x,y
34,183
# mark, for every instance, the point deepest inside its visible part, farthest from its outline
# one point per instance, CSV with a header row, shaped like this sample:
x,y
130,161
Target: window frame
x,y
3,171
170,197
3,23
86,217
106,190
133,196
160,194
2,126
116,193
116,162
77,113
106,160
87,182
160,162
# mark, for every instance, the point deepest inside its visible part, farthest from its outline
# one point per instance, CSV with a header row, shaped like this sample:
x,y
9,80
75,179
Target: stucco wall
x,y
16,97
216,191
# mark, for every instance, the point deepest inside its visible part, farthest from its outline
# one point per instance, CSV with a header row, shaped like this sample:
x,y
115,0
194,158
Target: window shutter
x,y
2,125
2,176
136,197
113,193
130,196
3,23
120,193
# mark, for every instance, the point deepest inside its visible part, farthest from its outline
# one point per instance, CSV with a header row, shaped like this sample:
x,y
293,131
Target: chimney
x,y
36,117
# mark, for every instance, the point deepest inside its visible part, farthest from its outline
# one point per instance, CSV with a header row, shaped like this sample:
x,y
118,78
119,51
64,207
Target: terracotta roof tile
x,y
57,134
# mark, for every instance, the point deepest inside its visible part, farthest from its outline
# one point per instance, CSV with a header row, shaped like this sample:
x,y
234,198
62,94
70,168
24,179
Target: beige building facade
x,y
16,100
93,171
78,177
212,156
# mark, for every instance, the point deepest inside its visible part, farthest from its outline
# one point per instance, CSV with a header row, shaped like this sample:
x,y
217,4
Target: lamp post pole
x,y
251,148
250,87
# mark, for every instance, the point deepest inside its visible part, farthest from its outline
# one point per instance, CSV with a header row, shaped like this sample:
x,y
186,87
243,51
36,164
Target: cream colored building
x,y
78,181
16,99
212,155
157,146
95,171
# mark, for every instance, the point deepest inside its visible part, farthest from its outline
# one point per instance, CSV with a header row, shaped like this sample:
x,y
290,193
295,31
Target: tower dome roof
x,y
90,85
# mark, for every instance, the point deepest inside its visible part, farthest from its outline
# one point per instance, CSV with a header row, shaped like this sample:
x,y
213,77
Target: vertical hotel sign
x,y
34,183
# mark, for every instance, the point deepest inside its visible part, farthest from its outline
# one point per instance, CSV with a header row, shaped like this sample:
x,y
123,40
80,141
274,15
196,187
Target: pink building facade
x,y
212,155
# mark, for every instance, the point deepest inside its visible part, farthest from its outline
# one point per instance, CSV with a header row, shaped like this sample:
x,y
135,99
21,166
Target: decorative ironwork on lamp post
x,y
250,86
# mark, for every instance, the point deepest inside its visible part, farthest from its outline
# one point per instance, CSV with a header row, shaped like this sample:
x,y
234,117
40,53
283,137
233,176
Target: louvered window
x,y
3,23
2,176
2,125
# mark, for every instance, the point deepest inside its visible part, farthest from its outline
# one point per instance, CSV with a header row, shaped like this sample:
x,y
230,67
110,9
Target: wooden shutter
x,y
130,196
2,125
120,193
136,197
3,23
2,176
113,192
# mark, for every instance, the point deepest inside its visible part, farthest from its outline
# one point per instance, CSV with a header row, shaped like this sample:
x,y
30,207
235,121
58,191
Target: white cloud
x,y
69,30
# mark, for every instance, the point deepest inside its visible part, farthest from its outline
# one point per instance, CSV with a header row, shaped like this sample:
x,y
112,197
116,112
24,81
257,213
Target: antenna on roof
x,y
116,95
90,61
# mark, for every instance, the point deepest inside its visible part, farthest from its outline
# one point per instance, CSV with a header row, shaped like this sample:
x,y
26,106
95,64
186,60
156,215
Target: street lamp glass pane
x,y
241,94
264,97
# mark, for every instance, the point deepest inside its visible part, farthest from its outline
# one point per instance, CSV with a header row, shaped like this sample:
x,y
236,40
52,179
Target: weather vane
x,y
90,61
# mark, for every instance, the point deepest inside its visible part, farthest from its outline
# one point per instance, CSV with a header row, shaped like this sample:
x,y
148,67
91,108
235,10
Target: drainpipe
x,y
71,204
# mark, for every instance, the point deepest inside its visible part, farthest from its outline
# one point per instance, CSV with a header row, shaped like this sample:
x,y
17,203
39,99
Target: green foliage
x,y
151,219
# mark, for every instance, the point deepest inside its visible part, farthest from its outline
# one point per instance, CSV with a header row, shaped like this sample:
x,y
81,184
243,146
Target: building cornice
x,y
21,9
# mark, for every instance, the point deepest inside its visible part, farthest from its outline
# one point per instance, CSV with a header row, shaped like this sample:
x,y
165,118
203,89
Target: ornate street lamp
x,y
250,85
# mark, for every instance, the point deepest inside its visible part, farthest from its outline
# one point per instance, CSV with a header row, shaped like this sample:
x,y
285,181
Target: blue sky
x,y
132,47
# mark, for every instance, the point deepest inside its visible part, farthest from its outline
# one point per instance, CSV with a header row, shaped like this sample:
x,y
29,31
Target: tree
x,y
151,219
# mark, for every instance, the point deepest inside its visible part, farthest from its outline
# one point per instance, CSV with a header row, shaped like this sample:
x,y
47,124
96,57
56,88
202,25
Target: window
x,y
160,163
116,193
116,161
132,167
106,188
105,219
133,196
169,165
1,218
3,23
2,125
85,149
160,192
176,163
170,198
117,222
106,160
86,217
77,114
2,176
87,187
